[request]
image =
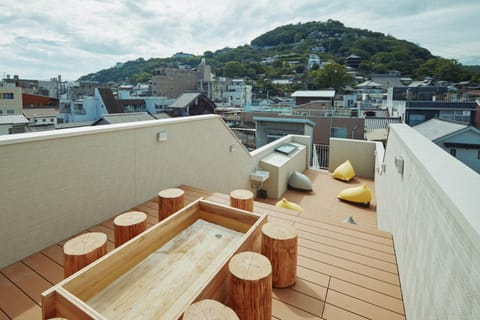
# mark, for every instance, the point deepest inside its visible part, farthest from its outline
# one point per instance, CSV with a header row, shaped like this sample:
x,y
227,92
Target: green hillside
x,y
290,47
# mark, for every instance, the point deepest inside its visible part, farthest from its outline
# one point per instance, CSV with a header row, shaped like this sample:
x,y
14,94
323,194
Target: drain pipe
x,y
353,131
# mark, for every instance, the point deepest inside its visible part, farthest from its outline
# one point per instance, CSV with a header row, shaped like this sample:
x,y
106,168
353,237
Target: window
x,y
415,119
453,152
7,95
337,132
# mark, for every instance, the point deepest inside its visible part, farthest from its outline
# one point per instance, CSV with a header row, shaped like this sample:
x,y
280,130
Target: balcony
x,y
85,176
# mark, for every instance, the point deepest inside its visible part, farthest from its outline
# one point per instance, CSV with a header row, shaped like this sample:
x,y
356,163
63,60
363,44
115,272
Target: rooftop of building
x,y
422,269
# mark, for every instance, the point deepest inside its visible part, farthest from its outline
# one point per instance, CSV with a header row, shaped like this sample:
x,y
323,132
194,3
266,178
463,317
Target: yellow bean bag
x,y
344,171
284,203
360,194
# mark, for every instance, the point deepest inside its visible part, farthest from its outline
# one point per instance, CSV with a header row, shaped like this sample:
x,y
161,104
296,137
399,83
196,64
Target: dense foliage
x,y
284,51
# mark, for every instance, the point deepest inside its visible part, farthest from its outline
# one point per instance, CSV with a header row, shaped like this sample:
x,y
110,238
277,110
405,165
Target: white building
x,y
313,59
238,93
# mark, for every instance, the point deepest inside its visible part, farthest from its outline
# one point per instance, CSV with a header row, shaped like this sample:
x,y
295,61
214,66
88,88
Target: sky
x,y
41,39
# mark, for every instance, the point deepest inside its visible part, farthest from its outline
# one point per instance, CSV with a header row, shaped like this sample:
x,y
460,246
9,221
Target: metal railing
x,y
320,156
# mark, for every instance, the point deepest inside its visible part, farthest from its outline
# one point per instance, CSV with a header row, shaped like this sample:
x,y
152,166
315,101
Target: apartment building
x,y
10,100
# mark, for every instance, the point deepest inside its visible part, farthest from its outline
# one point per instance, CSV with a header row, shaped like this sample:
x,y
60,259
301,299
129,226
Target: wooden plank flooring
x,y
344,271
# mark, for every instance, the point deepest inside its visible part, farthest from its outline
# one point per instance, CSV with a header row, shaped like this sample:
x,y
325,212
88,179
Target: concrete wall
x,y
360,153
281,167
55,184
432,210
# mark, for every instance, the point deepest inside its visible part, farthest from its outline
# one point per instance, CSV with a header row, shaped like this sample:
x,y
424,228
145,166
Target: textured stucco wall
x,y
55,184
360,153
432,212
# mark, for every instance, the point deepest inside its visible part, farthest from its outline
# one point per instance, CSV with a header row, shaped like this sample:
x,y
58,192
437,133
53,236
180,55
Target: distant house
x,y
191,104
459,139
41,116
37,101
305,96
353,61
123,118
15,123
270,129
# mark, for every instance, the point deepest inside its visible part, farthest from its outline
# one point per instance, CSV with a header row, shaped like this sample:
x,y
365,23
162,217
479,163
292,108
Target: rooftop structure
x,y
412,255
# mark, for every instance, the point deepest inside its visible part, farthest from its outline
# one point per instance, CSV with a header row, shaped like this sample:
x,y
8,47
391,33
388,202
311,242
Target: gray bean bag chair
x,y
299,181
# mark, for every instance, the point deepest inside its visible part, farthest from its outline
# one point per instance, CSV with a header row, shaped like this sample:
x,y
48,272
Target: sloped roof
x,y
40,112
369,84
109,100
436,128
13,119
124,117
184,100
314,94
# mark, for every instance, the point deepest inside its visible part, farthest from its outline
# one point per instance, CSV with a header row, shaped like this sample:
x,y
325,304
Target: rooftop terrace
x,y
59,184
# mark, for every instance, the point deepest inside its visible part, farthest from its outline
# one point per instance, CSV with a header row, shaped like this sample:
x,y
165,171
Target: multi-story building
x,y
238,93
419,104
172,82
11,101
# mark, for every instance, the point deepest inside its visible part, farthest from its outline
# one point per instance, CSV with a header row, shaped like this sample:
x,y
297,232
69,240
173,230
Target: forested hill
x,y
330,40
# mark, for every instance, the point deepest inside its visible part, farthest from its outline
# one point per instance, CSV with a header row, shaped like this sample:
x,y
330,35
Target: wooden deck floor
x,y
344,271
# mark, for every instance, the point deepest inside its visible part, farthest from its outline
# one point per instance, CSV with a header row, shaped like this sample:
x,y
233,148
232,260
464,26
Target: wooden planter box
x,y
159,273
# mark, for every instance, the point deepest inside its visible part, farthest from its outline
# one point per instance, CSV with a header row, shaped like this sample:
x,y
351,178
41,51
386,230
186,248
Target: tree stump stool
x,y
241,199
128,225
170,201
83,250
279,245
249,289
209,310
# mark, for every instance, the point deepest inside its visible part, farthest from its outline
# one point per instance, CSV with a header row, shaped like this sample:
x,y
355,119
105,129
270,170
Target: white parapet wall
x,y
429,201
55,184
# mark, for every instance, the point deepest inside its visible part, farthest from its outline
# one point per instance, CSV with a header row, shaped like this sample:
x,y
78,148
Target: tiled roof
x,y
436,128
184,100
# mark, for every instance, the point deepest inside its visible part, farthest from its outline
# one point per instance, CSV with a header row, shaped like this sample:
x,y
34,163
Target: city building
x,y
238,93
41,117
10,100
461,140
313,60
171,82
305,96
419,104
190,104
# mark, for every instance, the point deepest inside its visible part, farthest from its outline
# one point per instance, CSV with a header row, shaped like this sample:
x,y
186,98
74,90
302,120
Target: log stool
x,y
170,201
128,225
249,290
279,245
83,250
209,310
241,199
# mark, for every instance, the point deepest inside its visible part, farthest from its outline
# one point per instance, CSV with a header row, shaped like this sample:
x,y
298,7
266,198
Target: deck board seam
x,y
353,261
356,244
19,288
365,301
351,251
361,274
326,294
346,235
354,283
298,307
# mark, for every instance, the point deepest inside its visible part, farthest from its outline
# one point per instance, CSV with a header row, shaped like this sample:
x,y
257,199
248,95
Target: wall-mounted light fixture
x,y
399,163
232,148
162,136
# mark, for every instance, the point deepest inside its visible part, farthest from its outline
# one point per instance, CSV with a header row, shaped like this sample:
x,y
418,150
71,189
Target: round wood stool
x,y
169,202
209,310
83,250
279,245
128,225
241,199
250,286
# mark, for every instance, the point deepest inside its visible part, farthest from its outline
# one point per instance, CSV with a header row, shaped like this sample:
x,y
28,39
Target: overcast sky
x,y
43,38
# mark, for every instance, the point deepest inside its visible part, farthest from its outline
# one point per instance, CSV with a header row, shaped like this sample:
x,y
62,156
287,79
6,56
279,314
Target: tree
x,y
141,77
234,69
332,75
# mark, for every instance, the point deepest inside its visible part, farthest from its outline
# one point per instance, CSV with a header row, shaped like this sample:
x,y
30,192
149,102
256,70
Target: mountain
x,y
289,47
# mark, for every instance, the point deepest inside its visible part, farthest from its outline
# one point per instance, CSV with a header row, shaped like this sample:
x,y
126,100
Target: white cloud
x,y
43,38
